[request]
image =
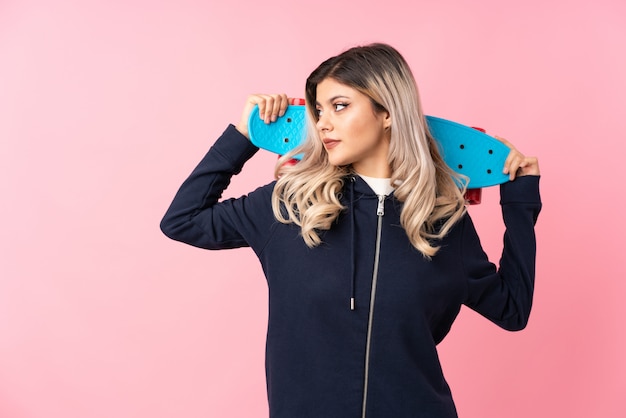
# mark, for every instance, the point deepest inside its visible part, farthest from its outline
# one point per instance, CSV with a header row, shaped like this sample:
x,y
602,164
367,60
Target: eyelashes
x,y
337,107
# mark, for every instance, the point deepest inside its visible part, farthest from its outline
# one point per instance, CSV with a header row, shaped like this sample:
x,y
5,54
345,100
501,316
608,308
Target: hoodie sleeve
x,y
197,217
504,294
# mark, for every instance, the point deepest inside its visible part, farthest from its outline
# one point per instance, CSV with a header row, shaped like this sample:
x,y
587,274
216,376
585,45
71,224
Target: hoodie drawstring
x,y
353,243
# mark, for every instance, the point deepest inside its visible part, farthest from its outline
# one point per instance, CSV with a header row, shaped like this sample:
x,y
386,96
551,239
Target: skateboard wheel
x,y
290,162
473,196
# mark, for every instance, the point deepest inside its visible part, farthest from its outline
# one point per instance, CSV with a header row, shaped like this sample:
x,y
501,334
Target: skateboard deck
x,y
466,150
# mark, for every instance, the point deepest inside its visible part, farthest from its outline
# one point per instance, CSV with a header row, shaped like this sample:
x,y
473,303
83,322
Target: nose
x,y
323,124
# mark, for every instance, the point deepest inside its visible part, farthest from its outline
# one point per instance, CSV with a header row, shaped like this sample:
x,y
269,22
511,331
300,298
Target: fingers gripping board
x,y
466,150
281,136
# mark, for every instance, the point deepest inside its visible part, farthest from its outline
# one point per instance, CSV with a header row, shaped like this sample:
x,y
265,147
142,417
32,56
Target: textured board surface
x,y
281,136
470,152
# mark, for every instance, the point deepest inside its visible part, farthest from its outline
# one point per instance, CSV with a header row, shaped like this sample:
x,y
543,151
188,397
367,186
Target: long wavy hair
x,y
308,193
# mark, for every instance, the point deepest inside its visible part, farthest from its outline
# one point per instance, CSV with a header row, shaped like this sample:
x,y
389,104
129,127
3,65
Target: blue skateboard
x,y
466,150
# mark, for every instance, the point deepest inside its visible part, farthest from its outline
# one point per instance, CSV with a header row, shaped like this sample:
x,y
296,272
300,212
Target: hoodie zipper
x,y
380,212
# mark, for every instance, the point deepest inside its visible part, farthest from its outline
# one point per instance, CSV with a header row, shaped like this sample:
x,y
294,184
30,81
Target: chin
x,y
338,161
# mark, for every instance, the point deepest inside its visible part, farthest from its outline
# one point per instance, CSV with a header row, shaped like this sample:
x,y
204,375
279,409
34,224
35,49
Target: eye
x,y
318,112
340,106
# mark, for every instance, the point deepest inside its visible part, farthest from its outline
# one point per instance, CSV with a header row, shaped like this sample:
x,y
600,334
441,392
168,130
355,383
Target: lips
x,y
330,143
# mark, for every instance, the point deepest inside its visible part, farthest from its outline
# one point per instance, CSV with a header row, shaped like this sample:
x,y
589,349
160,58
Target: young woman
x,y
365,243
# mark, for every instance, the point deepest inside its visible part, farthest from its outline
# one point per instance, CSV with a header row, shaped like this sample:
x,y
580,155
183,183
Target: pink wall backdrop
x,y
106,106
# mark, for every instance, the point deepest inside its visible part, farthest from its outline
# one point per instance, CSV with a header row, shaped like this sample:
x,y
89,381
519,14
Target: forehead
x,y
330,89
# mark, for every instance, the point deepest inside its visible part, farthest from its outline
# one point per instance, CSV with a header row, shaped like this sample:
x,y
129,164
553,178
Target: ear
x,y
386,120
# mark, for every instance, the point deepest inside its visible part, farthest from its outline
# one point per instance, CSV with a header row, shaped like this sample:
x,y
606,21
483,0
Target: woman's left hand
x,y
517,164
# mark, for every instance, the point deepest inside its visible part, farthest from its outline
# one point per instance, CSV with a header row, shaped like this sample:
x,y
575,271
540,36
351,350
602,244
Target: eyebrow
x,y
332,99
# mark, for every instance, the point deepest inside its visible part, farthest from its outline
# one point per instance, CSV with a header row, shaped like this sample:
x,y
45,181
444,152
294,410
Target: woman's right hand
x,y
517,164
271,106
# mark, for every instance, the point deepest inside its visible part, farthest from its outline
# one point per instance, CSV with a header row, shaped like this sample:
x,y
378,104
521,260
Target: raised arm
x,y
197,217
504,294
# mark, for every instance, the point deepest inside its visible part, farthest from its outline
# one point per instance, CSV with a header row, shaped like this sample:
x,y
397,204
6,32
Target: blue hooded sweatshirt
x,y
354,323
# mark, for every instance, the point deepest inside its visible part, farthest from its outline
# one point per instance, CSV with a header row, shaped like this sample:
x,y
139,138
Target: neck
x,y
380,172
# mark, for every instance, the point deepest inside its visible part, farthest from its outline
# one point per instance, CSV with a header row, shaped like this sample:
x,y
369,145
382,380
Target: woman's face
x,y
351,130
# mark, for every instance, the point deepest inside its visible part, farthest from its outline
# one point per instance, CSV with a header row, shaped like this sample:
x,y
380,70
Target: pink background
x,y
106,106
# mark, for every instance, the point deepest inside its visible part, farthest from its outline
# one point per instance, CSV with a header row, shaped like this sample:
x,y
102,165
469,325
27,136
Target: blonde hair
x,y
308,193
